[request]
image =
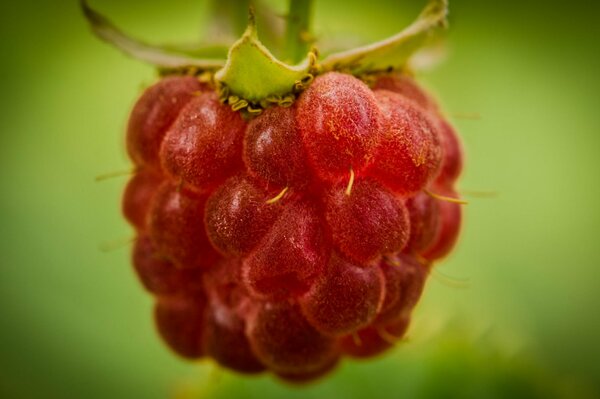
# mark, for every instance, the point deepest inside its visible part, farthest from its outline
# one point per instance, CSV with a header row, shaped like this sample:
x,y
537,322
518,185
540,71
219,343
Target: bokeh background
x,y
512,313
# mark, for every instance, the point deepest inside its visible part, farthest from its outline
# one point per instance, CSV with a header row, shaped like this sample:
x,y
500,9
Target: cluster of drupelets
x,y
286,241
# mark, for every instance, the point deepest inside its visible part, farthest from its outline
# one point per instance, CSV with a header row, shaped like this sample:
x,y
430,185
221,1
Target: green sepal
x,y
163,57
254,74
395,51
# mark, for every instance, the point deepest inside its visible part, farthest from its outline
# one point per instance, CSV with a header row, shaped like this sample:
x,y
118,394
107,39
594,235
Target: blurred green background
x,y
514,311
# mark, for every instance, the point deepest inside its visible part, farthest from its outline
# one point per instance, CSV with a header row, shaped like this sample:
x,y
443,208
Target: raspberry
x,y
273,149
288,216
408,88
424,216
372,341
409,153
179,321
450,215
204,145
273,254
291,255
404,279
300,378
152,115
340,124
159,275
225,325
453,155
367,220
136,199
176,228
285,341
344,298
238,216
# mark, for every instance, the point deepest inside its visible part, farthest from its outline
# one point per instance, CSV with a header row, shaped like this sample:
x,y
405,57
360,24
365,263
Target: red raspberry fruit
x,y
154,112
305,234
340,124
287,214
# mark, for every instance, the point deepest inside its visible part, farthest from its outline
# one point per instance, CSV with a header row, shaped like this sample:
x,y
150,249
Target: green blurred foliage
x,y
76,324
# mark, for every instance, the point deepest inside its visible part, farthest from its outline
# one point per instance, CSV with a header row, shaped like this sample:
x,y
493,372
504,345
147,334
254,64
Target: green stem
x,y
297,36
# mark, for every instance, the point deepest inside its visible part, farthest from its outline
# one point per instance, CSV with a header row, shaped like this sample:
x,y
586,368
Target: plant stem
x,y
297,35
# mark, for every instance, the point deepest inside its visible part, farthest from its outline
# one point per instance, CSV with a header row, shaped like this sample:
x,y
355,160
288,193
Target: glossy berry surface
x,y
287,241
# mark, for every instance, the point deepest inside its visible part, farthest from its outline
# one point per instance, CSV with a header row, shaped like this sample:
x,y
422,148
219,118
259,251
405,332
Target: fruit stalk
x,y
297,35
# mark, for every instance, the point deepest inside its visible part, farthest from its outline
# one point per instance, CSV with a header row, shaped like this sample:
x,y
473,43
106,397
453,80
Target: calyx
x,y
252,78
